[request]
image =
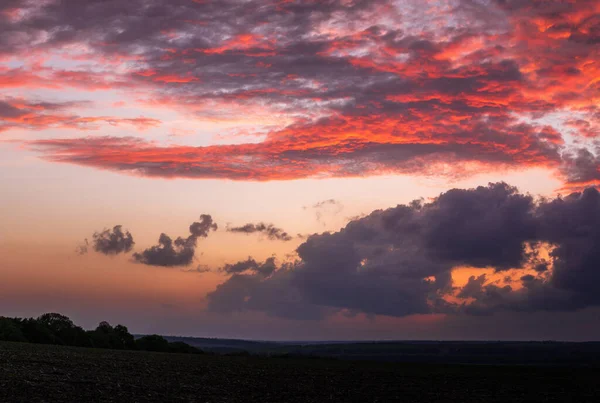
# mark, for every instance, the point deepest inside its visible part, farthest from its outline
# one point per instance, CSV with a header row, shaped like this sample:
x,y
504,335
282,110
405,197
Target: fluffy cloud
x,y
202,228
181,251
400,261
109,242
168,253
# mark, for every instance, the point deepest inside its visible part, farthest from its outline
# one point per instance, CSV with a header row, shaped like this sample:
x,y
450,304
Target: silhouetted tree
x,y
36,332
106,336
64,330
125,339
103,336
54,328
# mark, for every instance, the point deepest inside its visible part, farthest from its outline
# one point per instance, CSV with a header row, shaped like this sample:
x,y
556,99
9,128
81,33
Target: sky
x,y
302,169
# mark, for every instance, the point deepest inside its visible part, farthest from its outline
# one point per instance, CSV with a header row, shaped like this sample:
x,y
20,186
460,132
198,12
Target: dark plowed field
x,y
35,373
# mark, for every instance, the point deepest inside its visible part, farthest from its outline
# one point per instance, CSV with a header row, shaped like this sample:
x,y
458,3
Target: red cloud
x,y
153,75
18,113
250,44
330,148
484,84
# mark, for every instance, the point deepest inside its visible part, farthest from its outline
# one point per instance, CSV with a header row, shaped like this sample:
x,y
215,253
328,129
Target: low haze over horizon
x,y
303,170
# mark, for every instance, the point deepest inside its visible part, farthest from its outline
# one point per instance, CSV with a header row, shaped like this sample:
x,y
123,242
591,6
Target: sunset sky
x,y
320,170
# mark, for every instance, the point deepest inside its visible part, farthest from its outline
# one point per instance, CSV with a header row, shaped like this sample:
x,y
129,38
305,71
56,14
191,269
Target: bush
x,y
181,347
10,330
242,353
152,343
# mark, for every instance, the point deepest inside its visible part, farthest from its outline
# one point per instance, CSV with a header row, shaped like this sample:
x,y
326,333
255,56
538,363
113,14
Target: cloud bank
x,y
400,261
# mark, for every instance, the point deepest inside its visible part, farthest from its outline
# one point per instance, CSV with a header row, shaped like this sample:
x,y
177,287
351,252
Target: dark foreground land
x,y
35,373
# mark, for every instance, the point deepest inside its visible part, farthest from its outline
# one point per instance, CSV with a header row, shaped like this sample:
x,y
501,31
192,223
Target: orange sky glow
x,y
293,130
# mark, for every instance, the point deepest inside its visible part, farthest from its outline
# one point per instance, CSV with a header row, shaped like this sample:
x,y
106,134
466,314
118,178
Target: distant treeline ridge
x,y
54,328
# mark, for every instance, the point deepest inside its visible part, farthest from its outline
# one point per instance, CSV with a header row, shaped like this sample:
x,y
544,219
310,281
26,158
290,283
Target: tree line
x,y
54,328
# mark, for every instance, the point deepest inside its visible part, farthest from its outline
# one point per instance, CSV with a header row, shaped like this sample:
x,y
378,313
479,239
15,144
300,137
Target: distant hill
x,y
464,352
225,345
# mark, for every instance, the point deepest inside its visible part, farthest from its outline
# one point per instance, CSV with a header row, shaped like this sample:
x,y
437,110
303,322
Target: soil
x,y
43,373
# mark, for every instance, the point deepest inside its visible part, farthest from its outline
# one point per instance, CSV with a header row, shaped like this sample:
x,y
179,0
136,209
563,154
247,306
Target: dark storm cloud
x,y
269,230
262,290
473,287
573,225
398,261
460,226
178,252
112,242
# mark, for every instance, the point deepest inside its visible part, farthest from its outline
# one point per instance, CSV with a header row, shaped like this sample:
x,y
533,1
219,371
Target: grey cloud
x,y
251,265
112,242
527,278
202,228
269,230
199,269
178,252
168,253
232,295
9,111
461,227
398,261
573,225
581,166
82,248
326,203
474,287
255,290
